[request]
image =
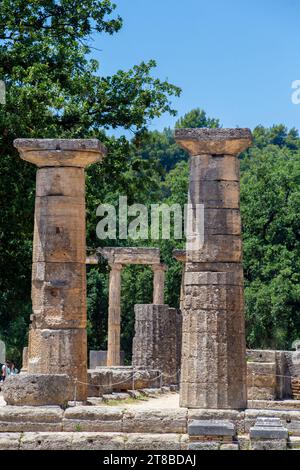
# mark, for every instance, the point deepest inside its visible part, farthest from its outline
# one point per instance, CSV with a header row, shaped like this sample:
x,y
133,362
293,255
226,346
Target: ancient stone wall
x,y
155,344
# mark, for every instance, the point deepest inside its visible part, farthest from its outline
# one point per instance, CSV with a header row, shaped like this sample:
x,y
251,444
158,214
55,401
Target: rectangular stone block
x,y
93,418
215,194
211,428
261,355
60,352
214,278
274,444
272,432
98,441
46,441
155,420
216,248
215,167
9,440
58,295
99,358
152,442
60,181
59,231
26,418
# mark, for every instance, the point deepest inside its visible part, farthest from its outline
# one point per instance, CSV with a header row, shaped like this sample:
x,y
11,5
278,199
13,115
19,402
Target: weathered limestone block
x,y
9,440
37,389
154,343
213,346
274,444
30,418
46,441
59,231
98,441
131,255
219,248
66,347
214,141
93,418
262,375
155,420
58,182
99,358
222,222
99,383
216,168
204,445
151,442
261,355
105,380
58,295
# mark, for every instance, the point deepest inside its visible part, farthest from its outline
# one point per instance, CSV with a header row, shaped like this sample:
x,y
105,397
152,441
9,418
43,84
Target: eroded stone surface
x,y
213,345
37,389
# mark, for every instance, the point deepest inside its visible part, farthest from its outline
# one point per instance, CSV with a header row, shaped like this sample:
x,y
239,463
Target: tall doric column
x,y
114,316
158,283
57,337
213,373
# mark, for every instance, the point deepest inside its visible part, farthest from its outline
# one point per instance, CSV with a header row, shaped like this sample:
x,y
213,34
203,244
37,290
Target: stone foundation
x,y
117,428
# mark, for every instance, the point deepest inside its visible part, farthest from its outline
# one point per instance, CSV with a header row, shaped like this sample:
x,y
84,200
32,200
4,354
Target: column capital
x,y
159,267
203,141
116,266
60,152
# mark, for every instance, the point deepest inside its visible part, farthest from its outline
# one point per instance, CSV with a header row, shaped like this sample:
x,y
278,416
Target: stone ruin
x,y
57,350
215,366
213,340
152,366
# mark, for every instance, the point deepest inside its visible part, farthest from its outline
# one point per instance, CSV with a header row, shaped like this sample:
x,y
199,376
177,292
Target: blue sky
x,y
236,59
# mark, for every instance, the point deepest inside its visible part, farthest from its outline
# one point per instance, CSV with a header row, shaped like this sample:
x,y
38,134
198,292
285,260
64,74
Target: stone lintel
x,y
211,427
201,141
127,255
61,152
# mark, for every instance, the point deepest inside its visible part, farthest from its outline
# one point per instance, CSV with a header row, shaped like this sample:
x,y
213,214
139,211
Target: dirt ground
x,y
164,401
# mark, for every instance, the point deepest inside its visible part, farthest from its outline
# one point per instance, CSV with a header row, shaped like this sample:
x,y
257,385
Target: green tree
x,y
162,146
270,199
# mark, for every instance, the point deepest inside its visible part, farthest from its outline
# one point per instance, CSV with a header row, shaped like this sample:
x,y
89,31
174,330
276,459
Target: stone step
x,y
91,441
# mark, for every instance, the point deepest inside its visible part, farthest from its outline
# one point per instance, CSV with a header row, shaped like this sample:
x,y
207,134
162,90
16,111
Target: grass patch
x,y
127,401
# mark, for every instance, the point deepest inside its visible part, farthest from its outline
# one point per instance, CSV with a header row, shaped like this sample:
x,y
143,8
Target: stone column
x,y
57,337
180,255
158,283
213,373
25,360
114,316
